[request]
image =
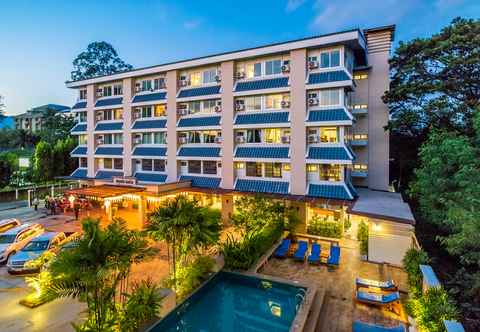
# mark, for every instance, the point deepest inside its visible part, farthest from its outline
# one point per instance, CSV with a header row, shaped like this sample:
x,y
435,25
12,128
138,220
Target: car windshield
x,y
7,238
36,246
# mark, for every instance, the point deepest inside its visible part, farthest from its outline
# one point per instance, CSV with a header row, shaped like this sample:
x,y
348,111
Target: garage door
x,y
388,248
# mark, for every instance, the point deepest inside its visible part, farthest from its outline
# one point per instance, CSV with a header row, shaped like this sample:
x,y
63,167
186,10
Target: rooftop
x,y
382,205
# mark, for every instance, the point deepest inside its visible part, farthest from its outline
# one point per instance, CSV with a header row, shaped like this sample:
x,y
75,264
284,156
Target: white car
x,y
16,238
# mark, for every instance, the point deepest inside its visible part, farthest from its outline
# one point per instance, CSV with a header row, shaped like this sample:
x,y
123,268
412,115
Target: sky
x,y
40,39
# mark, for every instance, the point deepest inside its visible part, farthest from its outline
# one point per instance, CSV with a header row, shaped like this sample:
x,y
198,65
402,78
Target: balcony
x,y
109,151
360,110
109,102
79,151
79,105
150,124
204,121
329,79
330,116
329,153
150,177
359,174
78,129
149,98
198,93
109,126
202,181
199,152
262,85
329,190
359,140
264,152
262,186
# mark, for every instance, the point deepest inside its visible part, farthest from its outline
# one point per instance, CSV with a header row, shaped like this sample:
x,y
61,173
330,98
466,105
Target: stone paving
x,y
340,309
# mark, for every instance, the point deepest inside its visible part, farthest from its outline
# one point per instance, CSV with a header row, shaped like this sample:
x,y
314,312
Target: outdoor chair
x,y
301,251
314,257
334,258
389,300
365,327
369,283
283,248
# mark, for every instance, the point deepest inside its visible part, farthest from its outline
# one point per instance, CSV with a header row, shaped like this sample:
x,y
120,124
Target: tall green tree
x,y
63,163
43,162
56,126
100,58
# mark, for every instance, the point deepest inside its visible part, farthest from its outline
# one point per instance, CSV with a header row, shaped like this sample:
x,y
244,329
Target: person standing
x,y
35,203
76,209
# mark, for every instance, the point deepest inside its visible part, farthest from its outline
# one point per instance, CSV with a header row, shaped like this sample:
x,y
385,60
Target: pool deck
x,y
339,307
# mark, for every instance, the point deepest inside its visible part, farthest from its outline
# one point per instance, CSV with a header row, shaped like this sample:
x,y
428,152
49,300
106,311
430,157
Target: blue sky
x,y
39,39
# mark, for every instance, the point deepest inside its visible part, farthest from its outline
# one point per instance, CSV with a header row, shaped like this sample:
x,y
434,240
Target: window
x,y
273,101
107,139
107,91
146,85
254,136
328,135
82,116
107,163
254,169
330,172
118,163
209,106
159,165
196,78
362,76
330,59
159,138
83,162
210,167
159,83
147,138
253,70
209,76
194,166
117,139
146,111
82,139
253,103
159,110
147,165
360,167
117,89
329,97
273,170
360,107
194,107
312,58
209,136
273,67
360,137
194,137
239,165
118,114
312,168
83,94
272,136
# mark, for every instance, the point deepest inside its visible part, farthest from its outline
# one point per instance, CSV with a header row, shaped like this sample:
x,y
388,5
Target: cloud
x,y
192,24
293,5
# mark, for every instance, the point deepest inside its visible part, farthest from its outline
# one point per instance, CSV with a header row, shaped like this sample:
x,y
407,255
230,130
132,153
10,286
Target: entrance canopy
x,y
104,191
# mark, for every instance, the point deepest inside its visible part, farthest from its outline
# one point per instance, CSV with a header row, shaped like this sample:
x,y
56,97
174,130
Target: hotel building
x,y
301,120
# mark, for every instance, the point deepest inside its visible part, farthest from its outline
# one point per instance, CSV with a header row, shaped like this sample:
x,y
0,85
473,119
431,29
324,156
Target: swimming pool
x,y
234,302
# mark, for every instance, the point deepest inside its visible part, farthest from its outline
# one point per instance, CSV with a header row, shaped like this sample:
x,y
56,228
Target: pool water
x,y
233,302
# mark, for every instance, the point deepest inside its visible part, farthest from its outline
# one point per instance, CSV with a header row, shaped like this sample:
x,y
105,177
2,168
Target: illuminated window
x,y
360,106
210,136
362,76
330,172
107,163
273,101
272,135
360,136
287,167
253,70
159,110
273,170
196,79
239,165
360,167
329,134
118,114
82,139
312,168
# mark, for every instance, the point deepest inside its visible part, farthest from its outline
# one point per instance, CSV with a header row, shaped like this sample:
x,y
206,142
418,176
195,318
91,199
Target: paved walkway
x,y
12,205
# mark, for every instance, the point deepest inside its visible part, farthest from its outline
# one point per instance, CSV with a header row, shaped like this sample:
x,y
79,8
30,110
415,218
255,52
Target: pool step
x,y
315,310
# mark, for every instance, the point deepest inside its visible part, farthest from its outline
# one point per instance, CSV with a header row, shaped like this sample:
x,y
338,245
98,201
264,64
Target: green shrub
x,y
411,263
362,237
347,223
431,309
322,227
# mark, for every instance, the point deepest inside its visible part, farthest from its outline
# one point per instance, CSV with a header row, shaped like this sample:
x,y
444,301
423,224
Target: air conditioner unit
x,y
138,87
240,75
240,105
240,139
218,78
218,140
285,139
137,139
100,139
312,101
313,138
99,116
183,111
218,108
99,93
286,67
136,114
183,140
285,104
312,64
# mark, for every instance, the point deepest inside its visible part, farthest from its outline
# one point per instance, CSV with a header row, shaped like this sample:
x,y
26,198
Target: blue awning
x,y
109,126
79,128
330,191
150,124
196,92
105,175
117,101
150,177
149,152
262,152
204,121
79,151
79,173
338,114
149,97
429,277
327,77
79,105
262,118
202,181
109,151
262,186
272,83
329,153
199,152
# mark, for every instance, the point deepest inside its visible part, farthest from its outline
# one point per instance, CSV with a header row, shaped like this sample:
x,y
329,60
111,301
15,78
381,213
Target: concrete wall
x,y
128,86
90,133
227,72
171,125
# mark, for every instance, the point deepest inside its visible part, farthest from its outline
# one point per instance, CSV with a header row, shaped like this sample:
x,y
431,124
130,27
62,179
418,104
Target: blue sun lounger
x,y
301,251
364,327
282,250
377,298
369,283
314,257
334,258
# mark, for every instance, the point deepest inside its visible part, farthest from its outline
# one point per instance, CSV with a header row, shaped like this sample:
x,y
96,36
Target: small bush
x,y
347,223
411,263
322,227
362,237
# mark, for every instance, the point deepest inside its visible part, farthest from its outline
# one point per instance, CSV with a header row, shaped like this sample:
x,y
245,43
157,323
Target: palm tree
x,y
185,226
95,271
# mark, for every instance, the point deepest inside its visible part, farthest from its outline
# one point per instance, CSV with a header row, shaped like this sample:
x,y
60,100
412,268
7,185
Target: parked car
x,y
7,224
16,238
43,243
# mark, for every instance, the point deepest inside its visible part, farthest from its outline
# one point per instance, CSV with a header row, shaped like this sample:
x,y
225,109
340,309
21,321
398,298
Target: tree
x,y
55,126
2,108
43,165
63,163
96,270
100,58
436,81
6,170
